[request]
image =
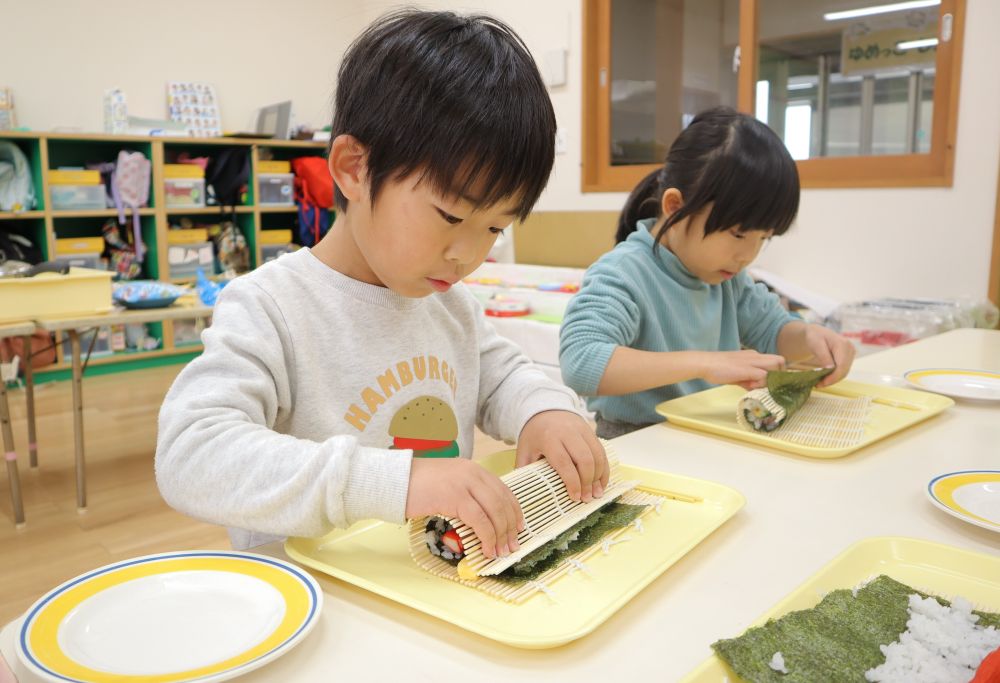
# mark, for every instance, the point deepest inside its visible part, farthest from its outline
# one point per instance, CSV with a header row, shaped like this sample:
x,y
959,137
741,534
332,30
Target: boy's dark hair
x,y
728,158
455,98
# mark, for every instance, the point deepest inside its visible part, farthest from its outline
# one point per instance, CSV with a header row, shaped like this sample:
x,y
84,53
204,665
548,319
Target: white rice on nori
x,y
940,645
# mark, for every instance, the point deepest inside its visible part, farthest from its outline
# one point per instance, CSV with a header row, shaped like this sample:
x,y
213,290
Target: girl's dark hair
x,y
456,98
728,158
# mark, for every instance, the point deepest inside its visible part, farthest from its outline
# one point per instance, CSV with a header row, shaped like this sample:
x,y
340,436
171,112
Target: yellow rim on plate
x,y
38,640
919,374
942,489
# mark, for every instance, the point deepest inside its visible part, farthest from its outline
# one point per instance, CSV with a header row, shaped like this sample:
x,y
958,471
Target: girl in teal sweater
x,y
670,310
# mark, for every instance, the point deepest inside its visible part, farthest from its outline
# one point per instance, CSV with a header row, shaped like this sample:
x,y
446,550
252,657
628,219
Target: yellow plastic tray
x,y
68,176
714,411
83,291
187,236
931,567
274,167
375,556
79,245
175,171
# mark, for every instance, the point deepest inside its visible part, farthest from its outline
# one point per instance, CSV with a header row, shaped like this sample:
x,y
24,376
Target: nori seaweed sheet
x,y
838,640
791,388
591,530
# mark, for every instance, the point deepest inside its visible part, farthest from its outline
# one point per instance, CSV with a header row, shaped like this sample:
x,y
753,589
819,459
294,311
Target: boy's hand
x,y
456,487
571,447
829,349
747,369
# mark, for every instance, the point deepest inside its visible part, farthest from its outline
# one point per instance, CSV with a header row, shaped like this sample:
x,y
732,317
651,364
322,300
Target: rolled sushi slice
x,y
760,412
443,541
764,410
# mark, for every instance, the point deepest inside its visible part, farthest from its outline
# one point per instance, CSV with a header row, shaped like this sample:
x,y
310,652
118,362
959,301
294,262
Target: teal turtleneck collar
x,y
667,260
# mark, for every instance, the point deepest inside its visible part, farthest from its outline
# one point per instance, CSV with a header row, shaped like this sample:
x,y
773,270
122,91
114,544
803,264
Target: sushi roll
x,y
443,541
764,410
760,412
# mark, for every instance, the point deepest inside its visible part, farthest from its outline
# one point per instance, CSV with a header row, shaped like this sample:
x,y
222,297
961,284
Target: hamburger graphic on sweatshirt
x,y
427,425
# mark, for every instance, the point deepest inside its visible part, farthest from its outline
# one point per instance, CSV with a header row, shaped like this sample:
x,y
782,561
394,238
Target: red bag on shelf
x,y
314,195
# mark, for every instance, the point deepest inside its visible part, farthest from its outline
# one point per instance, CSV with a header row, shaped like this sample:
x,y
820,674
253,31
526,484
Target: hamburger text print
x,y
419,368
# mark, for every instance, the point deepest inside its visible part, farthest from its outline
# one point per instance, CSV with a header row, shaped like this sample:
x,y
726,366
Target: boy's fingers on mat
x,y
512,509
564,466
603,470
473,514
583,460
501,507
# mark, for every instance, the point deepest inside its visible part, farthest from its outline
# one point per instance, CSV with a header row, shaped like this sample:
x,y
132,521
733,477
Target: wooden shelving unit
x,y
46,151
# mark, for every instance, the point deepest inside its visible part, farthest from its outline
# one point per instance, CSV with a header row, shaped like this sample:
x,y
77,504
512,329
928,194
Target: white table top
x,y
184,308
16,329
800,513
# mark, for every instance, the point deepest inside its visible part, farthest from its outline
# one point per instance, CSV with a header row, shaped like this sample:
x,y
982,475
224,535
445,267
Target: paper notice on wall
x,y
873,44
197,106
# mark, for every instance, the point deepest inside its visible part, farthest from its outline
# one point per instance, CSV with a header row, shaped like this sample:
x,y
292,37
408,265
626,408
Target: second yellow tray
x,y
714,411
375,556
935,568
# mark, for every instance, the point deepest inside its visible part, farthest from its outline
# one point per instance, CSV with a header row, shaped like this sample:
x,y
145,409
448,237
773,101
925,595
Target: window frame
x,y
935,168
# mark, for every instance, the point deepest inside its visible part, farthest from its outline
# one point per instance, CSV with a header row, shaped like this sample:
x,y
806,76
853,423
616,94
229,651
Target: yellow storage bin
x,y
275,236
68,176
274,167
79,245
183,171
50,295
187,236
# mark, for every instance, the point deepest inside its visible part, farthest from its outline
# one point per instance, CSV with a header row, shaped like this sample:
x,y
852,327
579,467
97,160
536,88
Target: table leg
x,y
29,397
10,455
81,474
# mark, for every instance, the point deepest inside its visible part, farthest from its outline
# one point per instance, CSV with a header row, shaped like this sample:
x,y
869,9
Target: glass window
x,y
852,83
863,92
669,60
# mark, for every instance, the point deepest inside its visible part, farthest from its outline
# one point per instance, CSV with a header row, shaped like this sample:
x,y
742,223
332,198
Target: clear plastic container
x,y
188,331
78,197
276,189
184,193
269,252
93,260
890,322
101,347
185,260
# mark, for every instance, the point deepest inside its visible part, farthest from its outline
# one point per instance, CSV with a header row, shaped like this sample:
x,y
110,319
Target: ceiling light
x,y
914,44
879,9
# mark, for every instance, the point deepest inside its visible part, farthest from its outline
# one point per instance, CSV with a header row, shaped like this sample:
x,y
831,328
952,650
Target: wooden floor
x,y
125,517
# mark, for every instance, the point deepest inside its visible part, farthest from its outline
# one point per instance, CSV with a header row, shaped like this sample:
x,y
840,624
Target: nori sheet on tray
x,y
838,640
590,531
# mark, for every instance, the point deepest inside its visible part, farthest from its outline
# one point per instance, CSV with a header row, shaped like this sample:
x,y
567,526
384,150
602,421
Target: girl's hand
x,y
456,487
571,447
829,349
747,369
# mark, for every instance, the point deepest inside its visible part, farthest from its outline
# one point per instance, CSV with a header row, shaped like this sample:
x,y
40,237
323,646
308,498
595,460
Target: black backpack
x,y
227,175
16,247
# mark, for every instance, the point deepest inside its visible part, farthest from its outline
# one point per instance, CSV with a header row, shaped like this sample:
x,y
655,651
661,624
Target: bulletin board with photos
x,y
196,105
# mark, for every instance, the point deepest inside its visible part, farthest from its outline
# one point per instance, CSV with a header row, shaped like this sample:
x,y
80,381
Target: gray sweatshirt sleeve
x,y
219,459
512,389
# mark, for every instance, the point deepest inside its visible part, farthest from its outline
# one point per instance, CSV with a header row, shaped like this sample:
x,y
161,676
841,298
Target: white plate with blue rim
x,y
971,495
184,617
980,385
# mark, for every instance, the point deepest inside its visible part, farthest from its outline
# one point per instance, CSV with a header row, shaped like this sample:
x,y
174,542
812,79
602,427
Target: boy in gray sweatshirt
x,y
339,383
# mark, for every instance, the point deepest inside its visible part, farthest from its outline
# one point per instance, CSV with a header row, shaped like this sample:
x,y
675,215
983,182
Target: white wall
x,y
60,56
847,244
